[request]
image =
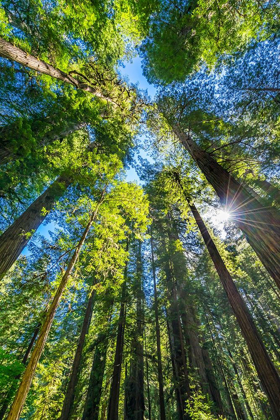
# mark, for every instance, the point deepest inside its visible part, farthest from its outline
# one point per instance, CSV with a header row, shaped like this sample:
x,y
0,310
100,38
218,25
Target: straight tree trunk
x,y
29,373
160,375
71,388
17,236
8,50
10,393
267,373
181,373
92,404
135,403
259,224
113,406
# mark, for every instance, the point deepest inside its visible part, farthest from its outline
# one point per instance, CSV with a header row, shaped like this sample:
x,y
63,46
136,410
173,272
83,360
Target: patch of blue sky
x,y
133,73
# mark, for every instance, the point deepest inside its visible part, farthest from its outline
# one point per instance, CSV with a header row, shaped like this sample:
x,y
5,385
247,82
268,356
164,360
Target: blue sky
x,y
131,71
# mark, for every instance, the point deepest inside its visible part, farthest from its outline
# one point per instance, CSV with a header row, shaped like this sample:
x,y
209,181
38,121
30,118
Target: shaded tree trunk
x,y
159,370
113,406
29,373
259,224
8,50
135,403
267,373
71,388
17,236
10,393
91,408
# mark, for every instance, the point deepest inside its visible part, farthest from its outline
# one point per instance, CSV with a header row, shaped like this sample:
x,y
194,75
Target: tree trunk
x,y
113,406
17,236
10,393
259,224
91,408
160,375
71,388
8,50
267,373
29,373
135,403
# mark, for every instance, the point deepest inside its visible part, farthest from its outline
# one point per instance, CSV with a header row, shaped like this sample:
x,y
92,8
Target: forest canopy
x,y
139,234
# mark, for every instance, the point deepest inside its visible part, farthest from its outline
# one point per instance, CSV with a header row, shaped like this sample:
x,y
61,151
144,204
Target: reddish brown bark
x,y
15,238
29,373
71,388
260,225
160,375
113,406
267,373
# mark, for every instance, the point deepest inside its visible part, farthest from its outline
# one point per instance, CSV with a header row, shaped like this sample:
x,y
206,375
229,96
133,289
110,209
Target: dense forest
x,y
153,298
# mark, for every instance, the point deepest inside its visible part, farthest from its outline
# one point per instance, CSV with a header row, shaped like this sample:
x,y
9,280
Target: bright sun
x,y
222,216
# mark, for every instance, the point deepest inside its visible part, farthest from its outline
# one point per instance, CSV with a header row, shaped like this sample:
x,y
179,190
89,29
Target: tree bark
x,y
71,388
259,224
113,406
91,408
267,373
135,403
160,375
8,50
15,238
29,373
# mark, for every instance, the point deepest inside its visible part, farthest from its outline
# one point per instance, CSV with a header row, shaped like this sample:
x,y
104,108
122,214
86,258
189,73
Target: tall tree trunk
x,y
92,404
17,236
8,50
259,224
267,373
135,403
148,386
214,389
113,406
71,388
11,391
29,373
160,375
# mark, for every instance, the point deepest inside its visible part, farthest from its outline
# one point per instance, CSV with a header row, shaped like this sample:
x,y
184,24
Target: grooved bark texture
x,y
159,360
29,373
267,373
8,50
71,388
113,406
14,239
260,225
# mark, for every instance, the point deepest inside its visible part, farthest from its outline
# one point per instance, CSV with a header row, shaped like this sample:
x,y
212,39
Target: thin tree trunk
x,y
71,388
29,373
267,373
134,390
10,393
91,408
160,375
148,387
113,406
17,236
8,50
259,224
